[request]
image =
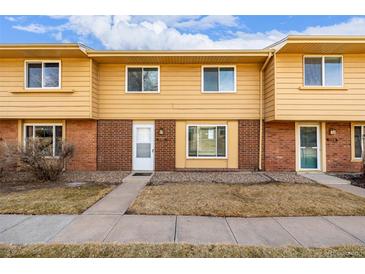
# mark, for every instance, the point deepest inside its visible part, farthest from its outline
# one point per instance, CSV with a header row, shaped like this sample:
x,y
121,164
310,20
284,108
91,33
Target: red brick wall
x,y
82,134
9,134
115,145
165,145
248,144
338,148
9,131
280,146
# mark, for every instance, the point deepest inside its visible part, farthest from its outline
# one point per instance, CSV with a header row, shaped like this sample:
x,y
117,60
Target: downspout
x,y
261,107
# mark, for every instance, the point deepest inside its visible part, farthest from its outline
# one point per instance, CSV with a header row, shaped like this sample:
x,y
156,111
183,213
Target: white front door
x,y
143,147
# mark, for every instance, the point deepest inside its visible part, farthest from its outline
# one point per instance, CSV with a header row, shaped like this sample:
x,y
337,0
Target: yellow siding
x,y
294,103
75,76
232,143
95,88
269,90
180,95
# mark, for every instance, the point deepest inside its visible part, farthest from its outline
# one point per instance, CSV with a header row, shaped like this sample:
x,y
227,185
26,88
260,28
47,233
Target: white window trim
x,y
42,62
353,139
142,91
41,125
219,66
202,157
298,148
324,71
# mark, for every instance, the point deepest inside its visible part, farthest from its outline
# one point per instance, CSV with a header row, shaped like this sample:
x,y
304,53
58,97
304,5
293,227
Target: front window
x,y
142,79
49,135
358,140
207,141
323,71
43,74
219,79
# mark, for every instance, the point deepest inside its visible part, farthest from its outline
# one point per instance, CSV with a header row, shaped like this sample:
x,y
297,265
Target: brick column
x,y
165,145
338,148
248,144
115,145
9,131
280,146
82,134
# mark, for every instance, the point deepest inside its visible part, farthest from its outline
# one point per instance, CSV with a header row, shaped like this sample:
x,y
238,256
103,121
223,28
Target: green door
x,y
309,147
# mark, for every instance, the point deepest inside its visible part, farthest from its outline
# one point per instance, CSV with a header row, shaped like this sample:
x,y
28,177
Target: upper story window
x,y
323,71
143,79
219,79
43,74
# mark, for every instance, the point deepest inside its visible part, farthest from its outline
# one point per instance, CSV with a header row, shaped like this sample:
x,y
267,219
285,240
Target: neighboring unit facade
x,y
296,106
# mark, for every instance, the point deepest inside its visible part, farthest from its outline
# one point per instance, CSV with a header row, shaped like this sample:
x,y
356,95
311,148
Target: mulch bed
x,y
356,179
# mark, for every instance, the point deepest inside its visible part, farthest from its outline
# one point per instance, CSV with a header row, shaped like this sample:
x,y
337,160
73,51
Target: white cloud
x,y
208,22
354,26
192,23
35,28
11,18
178,32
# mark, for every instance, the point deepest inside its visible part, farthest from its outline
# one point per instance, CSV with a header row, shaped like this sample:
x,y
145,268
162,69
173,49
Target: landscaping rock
x,y
104,177
208,177
227,177
288,177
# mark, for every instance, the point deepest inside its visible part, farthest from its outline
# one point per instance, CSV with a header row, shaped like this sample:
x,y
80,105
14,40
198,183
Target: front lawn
x,y
239,200
52,200
174,251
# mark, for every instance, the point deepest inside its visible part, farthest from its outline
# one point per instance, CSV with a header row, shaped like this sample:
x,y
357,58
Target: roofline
x,y
235,52
275,47
40,46
325,37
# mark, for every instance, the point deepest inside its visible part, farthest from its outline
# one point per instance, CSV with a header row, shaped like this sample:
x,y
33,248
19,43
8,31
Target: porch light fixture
x,y
332,131
160,131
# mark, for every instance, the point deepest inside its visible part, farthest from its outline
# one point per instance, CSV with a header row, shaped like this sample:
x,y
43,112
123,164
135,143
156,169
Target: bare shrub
x,y
8,157
36,155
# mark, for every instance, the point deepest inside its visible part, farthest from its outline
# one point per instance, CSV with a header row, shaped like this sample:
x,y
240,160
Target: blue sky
x,y
172,32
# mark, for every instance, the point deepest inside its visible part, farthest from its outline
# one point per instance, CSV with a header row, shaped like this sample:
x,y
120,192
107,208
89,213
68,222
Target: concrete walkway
x,y
277,231
118,201
335,182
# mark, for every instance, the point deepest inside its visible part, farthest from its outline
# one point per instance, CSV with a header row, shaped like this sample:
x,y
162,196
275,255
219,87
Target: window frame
x,y
142,91
219,66
353,145
53,138
197,144
26,62
324,71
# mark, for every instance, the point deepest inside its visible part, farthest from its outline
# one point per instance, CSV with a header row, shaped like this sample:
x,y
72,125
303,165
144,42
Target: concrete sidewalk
x,y
118,228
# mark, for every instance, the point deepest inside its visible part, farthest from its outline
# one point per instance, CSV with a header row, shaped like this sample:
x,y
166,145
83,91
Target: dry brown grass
x,y
174,251
54,200
272,199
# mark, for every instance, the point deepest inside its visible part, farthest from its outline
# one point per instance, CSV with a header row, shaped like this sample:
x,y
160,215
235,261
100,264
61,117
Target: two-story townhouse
x,y
297,105
315,104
